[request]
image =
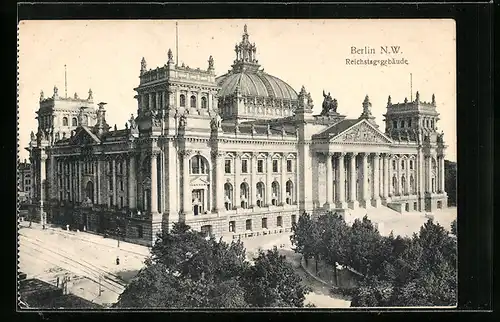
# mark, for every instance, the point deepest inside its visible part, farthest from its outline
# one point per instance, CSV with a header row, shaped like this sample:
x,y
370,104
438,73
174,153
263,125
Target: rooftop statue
x,y
329,104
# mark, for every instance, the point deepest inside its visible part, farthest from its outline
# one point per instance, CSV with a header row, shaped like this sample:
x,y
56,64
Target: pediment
x,y
362,132
83,136
199,182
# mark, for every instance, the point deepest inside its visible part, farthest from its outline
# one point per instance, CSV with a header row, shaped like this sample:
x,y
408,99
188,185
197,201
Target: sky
x,y
106,55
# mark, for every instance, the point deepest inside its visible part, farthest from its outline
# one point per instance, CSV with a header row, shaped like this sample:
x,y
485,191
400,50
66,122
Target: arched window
x,y
182,99
403,185
199,165
412,185
289,192
248,224
394,185
89,191
275,187
65,121
203,102
261,190
74,122
245,192
193,101
228,196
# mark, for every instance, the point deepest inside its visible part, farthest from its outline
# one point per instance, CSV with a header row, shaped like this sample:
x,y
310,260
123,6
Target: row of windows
x,y
89,167
260,166
402,164
260,195
249,226
74,121
192,101
408,123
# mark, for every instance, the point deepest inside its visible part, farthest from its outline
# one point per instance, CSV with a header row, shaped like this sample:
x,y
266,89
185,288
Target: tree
x,y
306,238
272,282
454,227
420,271
364,247
334,234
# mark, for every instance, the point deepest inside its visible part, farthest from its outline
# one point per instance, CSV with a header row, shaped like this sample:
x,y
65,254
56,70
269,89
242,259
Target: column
x,y
441,172
70,166
366,198
154,182
43,158
429,174
329,180
269,190
341,181
386,179
283,179
219,157
253,181
237,180
132,203
94,172
353,202
407,187
297,179
53,178
79,181
113,171
97,188
376,192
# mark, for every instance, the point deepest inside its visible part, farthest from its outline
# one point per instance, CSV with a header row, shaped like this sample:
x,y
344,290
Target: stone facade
x,y
231,159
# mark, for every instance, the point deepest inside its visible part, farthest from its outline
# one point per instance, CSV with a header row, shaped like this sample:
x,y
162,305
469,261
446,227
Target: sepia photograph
x,y
237,164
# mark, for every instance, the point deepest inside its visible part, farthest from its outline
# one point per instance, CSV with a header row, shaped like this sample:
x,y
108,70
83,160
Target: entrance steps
x,y
378,215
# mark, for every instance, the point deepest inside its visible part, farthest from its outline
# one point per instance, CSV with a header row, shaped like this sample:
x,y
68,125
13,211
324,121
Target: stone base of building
x,y
353,204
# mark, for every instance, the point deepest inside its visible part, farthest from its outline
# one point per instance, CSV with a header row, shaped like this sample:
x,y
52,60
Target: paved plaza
x,y
90,260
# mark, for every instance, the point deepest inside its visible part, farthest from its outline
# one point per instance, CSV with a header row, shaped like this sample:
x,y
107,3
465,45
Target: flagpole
x,y
176,44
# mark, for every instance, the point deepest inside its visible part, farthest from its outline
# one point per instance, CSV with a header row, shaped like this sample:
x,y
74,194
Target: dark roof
x,y
40,294
73,301
336,128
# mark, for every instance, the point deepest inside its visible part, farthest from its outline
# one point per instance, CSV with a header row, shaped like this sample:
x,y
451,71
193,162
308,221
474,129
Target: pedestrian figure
x,y
84,228
57,281
117,260
30,223
67,227
43,226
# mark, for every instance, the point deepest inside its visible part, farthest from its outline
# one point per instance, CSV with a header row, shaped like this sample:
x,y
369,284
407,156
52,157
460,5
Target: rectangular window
x,y
260,166
110,183
121,202
275,166
121,185
411,164
279,221
294,219
409,122
244,166
248,224
111,201
395,124
264,223
393,164
289,165
227,167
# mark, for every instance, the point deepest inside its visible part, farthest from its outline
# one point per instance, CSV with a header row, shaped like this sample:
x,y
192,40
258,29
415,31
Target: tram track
x,y
48,278
88,269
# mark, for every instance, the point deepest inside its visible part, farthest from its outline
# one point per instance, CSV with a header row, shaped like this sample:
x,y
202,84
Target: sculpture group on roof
x,y
329,104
